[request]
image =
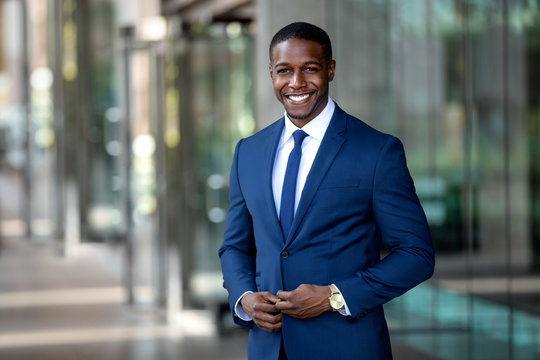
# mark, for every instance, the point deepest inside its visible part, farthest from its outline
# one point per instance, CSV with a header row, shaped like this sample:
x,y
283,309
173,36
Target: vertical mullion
x,y
506,159
469,188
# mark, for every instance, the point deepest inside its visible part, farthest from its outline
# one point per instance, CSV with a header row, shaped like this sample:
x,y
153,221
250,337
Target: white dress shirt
x,y
315,129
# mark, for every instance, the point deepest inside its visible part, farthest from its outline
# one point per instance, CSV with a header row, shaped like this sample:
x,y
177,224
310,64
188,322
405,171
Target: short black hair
x,y
304,31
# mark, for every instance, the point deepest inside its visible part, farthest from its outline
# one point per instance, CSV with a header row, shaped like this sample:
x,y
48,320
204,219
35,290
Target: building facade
x,y
118,120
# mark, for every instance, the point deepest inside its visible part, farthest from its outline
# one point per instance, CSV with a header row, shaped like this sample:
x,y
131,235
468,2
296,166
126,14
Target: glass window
x,y
457,81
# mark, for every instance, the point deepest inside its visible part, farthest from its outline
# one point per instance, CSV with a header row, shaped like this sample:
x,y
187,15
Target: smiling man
x,y
312,198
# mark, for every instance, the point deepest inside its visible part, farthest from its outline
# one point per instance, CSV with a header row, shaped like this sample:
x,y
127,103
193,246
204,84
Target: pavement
x,y
59,308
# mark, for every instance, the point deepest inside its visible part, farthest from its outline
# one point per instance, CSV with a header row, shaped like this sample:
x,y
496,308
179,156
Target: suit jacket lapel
x,y
330,145
270,151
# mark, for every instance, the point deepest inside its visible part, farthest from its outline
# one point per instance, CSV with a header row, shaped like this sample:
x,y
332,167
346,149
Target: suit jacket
x,y
358,192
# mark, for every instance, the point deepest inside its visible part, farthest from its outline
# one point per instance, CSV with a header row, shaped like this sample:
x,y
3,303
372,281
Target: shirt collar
x,y
316,128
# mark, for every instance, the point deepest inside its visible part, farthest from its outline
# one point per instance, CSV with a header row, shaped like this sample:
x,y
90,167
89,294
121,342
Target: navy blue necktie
x,y
288,192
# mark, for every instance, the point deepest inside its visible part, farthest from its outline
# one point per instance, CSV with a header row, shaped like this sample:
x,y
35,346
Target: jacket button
x,y
284,254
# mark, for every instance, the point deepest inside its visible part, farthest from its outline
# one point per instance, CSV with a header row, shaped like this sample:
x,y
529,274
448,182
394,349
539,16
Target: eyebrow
x,y
313,62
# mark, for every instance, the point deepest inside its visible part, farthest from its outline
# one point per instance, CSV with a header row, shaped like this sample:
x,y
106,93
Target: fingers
x,y
269,297
283,295
268,322
249,300
306,301
285,307
284,304
264,307
261,308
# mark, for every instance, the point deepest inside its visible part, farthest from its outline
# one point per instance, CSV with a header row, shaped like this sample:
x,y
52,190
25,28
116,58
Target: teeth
x,y
298,97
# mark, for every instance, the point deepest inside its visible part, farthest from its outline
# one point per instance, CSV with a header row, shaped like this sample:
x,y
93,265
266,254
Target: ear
x,y
331,70
271,70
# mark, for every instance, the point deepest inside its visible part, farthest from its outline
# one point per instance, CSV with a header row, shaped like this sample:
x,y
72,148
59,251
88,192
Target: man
x,y
312,196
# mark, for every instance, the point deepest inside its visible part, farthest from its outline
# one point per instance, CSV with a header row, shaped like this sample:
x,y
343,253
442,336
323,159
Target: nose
x,y
297,80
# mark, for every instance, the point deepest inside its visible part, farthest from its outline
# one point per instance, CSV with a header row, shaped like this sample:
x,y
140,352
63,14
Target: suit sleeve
x,y
237,253
402,224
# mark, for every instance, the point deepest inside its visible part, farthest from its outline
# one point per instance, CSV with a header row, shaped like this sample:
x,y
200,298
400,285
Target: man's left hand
x,y
304,302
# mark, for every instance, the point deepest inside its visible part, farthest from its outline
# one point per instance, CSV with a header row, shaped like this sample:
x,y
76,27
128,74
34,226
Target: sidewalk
x,y
75,308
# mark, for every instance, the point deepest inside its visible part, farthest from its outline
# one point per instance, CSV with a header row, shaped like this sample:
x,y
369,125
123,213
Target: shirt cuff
x,y
345,311
239,311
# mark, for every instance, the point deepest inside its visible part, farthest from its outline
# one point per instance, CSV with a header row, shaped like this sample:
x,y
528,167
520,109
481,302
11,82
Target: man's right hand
x,y
260,306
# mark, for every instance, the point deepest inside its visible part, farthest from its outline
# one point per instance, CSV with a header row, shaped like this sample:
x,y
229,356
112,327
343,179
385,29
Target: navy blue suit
x,y
358,192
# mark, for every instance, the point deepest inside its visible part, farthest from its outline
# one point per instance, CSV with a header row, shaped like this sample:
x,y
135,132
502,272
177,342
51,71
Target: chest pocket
x,y
335,181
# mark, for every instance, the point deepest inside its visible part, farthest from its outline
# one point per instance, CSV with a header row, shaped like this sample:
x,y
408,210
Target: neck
x,y
300,123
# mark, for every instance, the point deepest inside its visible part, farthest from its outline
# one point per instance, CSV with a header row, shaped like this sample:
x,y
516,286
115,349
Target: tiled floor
x,y
74,308
62,308
452,325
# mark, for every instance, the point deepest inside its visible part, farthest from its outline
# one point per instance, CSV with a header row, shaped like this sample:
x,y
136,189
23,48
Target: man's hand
x,y
260,306
304,302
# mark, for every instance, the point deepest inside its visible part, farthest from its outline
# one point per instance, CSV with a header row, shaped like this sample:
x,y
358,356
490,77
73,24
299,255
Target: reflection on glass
x,y
220,99
458,82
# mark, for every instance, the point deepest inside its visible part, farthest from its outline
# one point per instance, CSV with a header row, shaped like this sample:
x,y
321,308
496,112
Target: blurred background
x,y
118,120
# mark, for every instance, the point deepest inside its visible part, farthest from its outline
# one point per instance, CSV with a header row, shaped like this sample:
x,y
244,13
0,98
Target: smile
x,y
298,98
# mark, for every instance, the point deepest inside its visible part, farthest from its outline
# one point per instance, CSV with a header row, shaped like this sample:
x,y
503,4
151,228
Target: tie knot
x,y
299,136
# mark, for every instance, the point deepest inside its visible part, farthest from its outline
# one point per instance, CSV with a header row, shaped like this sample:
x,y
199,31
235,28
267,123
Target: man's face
x,y
300,76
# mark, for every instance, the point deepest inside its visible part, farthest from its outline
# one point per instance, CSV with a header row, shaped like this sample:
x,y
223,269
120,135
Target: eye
x,y
312,69
282,71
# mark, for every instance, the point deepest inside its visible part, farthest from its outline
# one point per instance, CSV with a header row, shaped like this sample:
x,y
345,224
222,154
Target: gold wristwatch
x,y
336,300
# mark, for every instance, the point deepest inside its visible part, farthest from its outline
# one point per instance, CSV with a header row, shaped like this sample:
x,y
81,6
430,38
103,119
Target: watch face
x,y
336,301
